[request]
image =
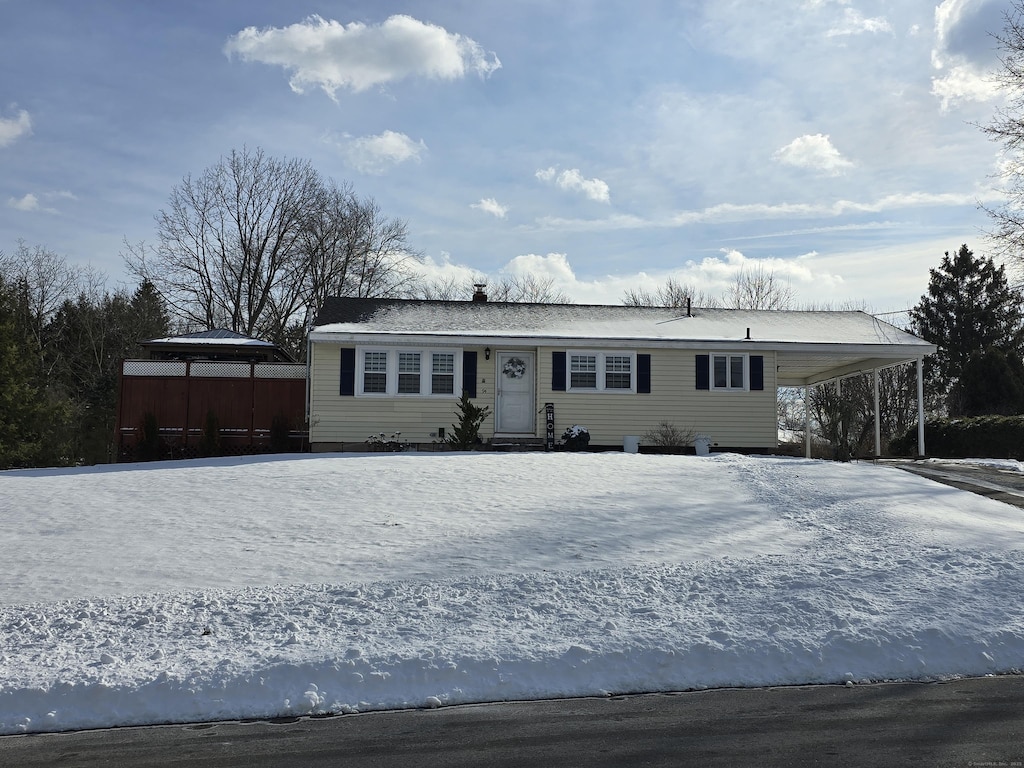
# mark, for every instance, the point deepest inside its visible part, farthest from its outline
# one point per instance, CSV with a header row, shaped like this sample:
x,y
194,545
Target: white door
x,y
515,403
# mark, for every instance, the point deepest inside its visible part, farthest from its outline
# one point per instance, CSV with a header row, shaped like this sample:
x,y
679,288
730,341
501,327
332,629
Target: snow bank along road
x,y
231,588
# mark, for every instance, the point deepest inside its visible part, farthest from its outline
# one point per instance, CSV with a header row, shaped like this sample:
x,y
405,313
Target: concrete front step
x,y
516,444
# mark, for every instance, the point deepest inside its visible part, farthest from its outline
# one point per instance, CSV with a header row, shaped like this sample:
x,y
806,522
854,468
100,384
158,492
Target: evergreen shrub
x,y
979,437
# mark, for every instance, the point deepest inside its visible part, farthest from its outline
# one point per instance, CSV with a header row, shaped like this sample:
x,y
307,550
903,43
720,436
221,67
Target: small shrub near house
x,y
151,445
386,443
209,443
978,437
280,432
669,437
576,438
466,434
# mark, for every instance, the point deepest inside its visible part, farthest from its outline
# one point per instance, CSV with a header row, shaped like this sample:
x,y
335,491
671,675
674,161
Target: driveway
x,y
1001,484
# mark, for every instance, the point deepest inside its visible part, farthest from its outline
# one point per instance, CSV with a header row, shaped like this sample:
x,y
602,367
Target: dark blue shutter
x,y
703,372
348,371
643,374
756,372
469,373
558,371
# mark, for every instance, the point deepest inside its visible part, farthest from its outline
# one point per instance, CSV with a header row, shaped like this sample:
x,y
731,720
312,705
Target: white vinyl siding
x,y
729,418
732,418
344,422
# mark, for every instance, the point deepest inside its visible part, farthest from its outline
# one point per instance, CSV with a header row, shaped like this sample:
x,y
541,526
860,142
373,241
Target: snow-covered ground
x,y
241,588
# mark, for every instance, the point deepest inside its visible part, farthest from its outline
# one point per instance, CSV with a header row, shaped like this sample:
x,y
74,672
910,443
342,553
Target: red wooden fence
x,y
243,398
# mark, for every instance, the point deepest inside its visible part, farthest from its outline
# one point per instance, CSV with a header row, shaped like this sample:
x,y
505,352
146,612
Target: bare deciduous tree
x,y
518,289
752,288
758,288
444,289
42,280
671,294
256,243
1007,128
229,241
526,289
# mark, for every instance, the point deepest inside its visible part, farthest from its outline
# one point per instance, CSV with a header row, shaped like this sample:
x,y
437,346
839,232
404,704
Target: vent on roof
x,y
478,292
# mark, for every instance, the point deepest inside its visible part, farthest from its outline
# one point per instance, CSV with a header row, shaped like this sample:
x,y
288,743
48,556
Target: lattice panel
x,y
214,370
280,371
154,368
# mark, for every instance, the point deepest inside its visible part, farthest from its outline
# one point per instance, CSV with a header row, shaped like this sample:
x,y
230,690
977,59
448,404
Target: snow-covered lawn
x,y
236,588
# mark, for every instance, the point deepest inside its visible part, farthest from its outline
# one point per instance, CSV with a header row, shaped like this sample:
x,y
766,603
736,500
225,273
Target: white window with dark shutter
x,y
391,372
593,371
375,372
442,373
730,372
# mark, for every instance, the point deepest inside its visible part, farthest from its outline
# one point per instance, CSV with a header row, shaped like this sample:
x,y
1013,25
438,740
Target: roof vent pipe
x,y
688,307
748,334
478,292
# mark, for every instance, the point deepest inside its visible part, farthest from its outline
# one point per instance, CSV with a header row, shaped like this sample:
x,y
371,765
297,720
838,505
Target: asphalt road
x,y
972,722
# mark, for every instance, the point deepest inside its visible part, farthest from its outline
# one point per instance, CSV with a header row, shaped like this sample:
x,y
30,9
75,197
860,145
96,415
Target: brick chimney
x,y
478,292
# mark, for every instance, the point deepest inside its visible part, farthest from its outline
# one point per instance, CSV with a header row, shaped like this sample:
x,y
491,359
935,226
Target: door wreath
x,y
514,368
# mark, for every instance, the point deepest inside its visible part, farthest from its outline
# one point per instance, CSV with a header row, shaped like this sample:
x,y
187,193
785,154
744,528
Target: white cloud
x,y
376,154
331,55
13,128
554,265
491,206
855,23
814,152
818,279
964,51
27,203
732,212
572,180
963,82
33,202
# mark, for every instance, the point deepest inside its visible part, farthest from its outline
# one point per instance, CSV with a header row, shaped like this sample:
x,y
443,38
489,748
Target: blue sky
x,y
605,144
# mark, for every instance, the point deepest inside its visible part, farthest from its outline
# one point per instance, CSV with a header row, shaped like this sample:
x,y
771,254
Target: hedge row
x,y
981,437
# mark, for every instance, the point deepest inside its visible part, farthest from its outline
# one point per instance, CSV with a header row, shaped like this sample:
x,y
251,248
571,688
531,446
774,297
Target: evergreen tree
x,y
466,434
991,383
969,309
31,423
93,334
149,318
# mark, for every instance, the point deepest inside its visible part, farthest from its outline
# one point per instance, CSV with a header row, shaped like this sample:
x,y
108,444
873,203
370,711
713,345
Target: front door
x,y
515,403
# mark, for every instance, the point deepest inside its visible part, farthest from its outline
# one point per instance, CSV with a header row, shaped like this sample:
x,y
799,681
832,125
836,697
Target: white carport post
x,y
807,421
878,427
920,406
